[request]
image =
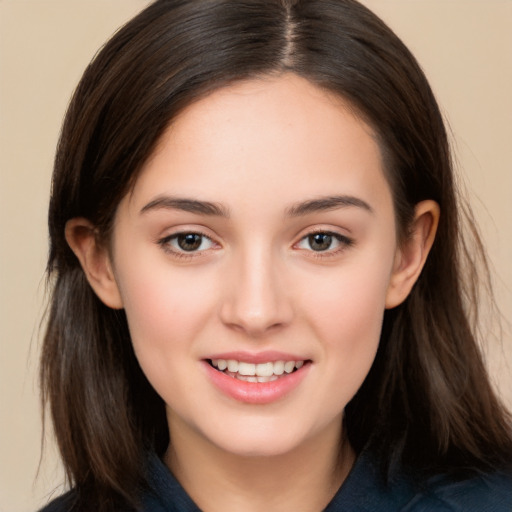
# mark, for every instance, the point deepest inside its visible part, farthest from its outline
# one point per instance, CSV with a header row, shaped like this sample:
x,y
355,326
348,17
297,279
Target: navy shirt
x,y
363,491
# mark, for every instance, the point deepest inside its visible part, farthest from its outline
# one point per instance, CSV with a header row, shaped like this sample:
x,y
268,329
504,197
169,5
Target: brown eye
x,y
186,242
320,241
324,241
189,241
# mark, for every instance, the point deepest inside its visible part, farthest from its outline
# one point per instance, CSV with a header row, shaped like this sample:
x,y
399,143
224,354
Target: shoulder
x,y
163,493
71,502
365,490
64,503
483,493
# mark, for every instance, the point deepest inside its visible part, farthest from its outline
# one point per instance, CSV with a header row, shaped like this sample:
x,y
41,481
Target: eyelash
x,y
344,241
165,242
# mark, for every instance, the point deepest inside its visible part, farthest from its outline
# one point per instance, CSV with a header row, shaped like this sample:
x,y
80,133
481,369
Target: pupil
x,y
320,241
189,242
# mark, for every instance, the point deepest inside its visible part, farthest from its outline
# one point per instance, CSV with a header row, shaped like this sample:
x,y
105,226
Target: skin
x,y
259,151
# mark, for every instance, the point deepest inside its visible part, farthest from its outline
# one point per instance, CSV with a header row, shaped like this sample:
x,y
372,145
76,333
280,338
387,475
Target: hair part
x,y
426,402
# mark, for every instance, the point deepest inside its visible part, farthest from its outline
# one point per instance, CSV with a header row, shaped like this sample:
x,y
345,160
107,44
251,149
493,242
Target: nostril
x,y
256,304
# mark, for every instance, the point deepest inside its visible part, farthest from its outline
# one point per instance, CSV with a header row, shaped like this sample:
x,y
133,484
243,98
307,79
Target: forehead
x,y
253,138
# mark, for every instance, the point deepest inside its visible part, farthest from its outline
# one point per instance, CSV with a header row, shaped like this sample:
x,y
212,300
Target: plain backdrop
x,y
465,48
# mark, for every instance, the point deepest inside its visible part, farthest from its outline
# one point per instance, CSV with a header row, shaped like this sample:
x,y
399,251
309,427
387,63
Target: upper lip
x,y
267,356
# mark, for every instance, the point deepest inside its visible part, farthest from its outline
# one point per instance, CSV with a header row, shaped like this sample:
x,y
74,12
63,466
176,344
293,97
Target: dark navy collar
x,y
365,490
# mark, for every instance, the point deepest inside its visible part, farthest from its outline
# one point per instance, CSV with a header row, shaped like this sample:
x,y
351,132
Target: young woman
x,y
258,297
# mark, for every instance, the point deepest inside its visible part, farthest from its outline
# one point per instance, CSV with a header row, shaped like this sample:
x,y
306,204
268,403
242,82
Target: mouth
x,y
257,379
256,372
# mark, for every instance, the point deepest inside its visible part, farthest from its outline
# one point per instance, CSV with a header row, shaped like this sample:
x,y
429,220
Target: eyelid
x,y
344,241
164,242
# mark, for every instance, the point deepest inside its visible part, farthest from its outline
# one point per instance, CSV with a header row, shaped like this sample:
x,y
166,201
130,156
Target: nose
x,y
256,298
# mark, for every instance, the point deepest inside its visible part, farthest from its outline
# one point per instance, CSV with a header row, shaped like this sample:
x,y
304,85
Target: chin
x,y
259,440
256,448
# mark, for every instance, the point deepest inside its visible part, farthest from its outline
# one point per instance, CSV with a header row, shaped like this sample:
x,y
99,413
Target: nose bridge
x,y
256,300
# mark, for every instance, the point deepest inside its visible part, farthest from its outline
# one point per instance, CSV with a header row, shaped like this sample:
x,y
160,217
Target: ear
x,y
412,253
81,237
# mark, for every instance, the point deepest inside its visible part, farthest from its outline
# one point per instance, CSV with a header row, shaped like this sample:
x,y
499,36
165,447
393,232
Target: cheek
x,y
355,327
165,312
164,309
348,313
351,300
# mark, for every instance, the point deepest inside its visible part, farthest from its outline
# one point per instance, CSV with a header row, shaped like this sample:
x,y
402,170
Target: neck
x,y
305,478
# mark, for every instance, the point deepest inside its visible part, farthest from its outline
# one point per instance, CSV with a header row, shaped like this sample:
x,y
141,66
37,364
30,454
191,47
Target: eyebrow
x,y
187,205
325,204
215,209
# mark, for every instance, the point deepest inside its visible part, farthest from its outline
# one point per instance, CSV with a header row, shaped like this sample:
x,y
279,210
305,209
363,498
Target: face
x,y
253,260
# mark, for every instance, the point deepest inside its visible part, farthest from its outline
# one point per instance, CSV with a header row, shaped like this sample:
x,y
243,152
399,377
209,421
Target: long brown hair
x,y
426,402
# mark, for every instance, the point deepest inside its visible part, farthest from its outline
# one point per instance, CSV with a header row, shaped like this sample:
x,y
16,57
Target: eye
x,y
324,241
187,243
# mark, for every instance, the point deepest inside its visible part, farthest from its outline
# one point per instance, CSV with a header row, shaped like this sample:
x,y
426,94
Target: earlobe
x,y
412,254
94,259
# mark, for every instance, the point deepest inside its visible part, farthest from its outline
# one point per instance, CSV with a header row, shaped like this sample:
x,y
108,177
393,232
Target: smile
x,y
251,372
257,379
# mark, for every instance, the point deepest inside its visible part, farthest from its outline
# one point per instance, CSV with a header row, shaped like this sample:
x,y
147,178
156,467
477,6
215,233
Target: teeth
x,y
247,378
279,368
246,369
264,369
261,372
267,379
289,366
232,365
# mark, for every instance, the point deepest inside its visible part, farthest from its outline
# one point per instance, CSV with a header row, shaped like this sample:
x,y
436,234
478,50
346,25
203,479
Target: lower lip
x,y
256,392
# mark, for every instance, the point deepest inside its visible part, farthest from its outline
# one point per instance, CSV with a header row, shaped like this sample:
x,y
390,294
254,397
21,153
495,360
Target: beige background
x,y
464,46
